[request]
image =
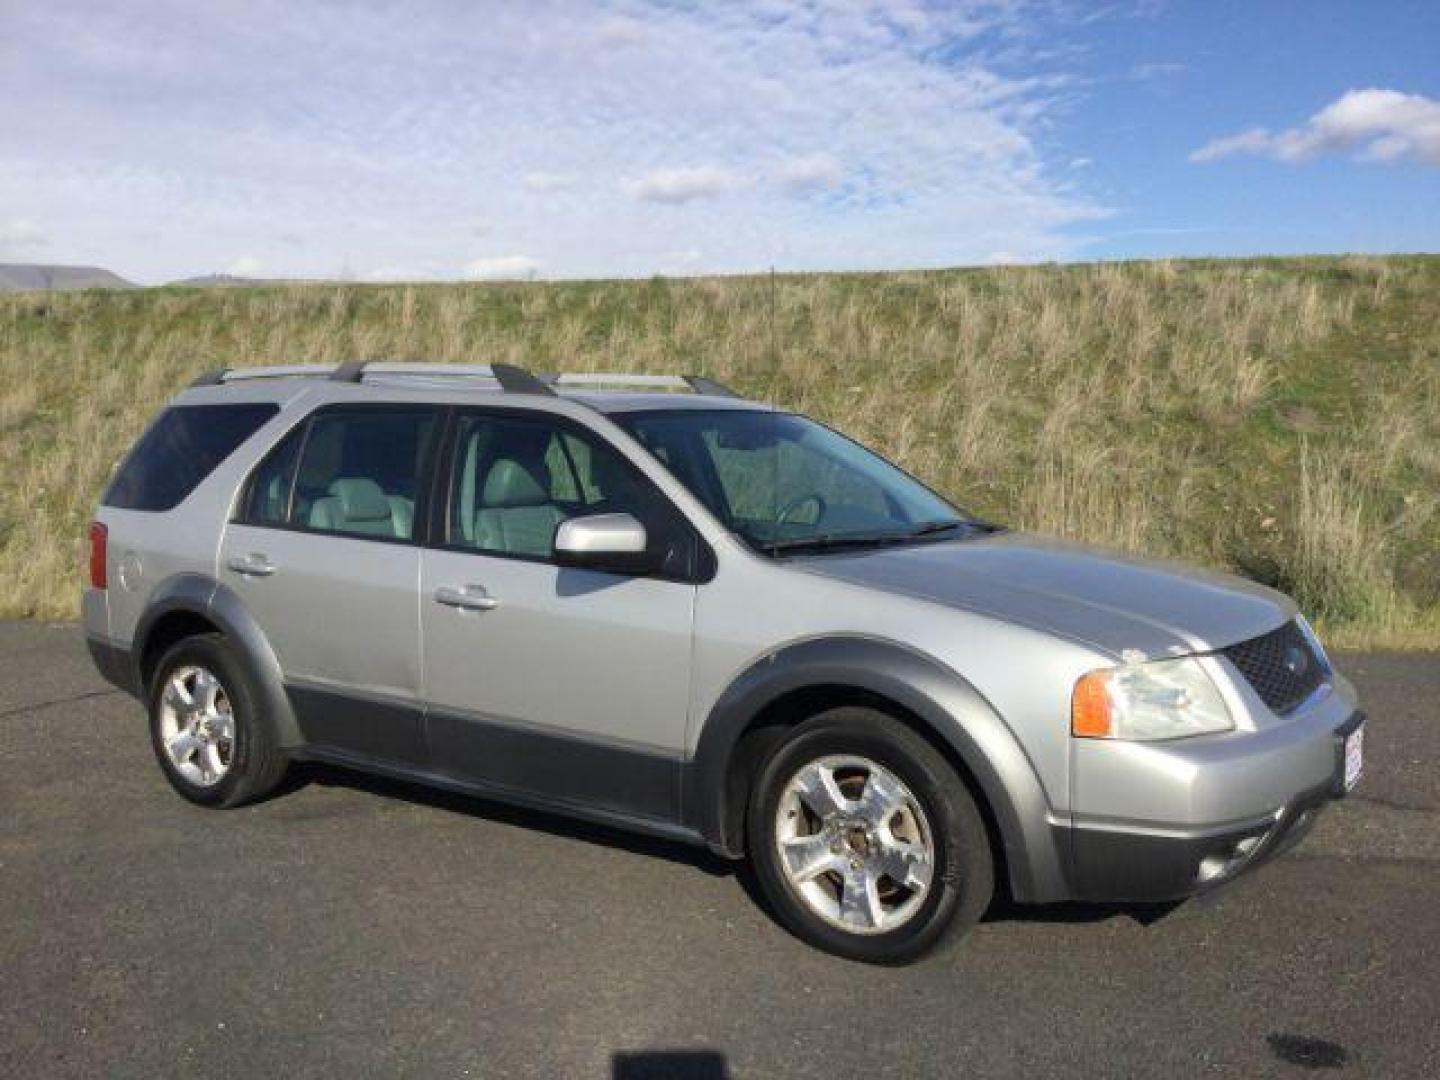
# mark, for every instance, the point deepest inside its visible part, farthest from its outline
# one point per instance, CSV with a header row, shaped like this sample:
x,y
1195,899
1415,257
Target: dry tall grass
x,y
1278,417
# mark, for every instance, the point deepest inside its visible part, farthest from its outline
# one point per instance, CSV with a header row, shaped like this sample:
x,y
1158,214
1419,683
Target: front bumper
x,y
1178,819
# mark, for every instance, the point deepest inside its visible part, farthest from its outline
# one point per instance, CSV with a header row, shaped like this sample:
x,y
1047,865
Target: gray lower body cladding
x,y
645,791
1151,866
114,664
1126,867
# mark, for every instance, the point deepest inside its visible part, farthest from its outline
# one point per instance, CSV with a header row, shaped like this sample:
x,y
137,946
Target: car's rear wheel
x,y
212,743
865,840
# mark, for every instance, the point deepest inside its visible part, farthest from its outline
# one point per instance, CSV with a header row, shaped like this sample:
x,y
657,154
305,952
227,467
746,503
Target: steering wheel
x,y
783,518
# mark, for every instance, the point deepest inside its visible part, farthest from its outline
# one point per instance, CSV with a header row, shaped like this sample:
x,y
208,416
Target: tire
x,y
247,765
864,751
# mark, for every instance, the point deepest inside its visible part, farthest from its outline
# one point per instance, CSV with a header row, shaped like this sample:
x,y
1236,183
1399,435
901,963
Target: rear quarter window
x,y
181,448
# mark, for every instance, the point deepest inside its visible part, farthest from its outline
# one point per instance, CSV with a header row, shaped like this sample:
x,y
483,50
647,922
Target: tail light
x,y
99,539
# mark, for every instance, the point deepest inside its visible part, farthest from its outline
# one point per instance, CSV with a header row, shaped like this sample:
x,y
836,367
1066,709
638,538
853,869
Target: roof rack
x,y
510,378
617,380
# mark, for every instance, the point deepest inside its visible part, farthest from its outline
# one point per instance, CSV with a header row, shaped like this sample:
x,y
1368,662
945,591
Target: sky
x,y
441,139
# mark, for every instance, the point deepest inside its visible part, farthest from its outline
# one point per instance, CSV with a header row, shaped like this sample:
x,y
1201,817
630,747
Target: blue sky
x,y
440,140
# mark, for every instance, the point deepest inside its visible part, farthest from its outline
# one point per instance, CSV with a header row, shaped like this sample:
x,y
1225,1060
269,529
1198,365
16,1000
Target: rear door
x,y
564,683
324,553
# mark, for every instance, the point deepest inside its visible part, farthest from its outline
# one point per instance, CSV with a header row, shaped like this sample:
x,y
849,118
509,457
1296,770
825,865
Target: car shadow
x,y
1002,909
478,806
669,1065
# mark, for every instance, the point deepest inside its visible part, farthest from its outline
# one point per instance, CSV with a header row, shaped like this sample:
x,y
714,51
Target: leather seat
x,y
516,515
359,505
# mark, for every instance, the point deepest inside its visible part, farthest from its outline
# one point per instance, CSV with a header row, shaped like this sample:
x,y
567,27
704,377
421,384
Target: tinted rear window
x,y
180,449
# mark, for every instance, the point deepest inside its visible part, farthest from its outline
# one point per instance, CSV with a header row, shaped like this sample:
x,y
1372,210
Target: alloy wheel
x,y
855,844
197,725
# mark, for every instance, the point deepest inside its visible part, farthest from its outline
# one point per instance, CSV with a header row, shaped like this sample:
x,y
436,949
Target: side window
x,y
359,472
182,448
267,500
515,479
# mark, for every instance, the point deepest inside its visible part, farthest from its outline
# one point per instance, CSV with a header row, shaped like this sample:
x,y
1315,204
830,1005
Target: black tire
x,y
256,764
963,880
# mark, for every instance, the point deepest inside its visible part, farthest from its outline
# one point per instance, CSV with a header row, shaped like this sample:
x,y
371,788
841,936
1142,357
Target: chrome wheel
x,y
854,844
197,725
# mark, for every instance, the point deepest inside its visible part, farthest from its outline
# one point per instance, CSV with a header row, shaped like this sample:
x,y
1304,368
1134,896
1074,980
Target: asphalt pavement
x,y
354,927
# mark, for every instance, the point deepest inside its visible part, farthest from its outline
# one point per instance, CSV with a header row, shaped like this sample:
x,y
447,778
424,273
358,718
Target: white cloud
x,y
621,31
544,182
19,236
378,132
1252,141
245,266
813,172
501,268
682,185
1379,125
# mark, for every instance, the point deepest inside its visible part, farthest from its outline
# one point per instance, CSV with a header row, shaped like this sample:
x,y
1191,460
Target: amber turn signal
x,y
1090,706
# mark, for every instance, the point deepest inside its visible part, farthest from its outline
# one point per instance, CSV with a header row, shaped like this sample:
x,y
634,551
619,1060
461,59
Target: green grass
x,y
1280,417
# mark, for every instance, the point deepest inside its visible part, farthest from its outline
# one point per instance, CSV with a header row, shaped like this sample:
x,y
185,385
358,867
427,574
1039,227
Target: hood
x,y
1108,601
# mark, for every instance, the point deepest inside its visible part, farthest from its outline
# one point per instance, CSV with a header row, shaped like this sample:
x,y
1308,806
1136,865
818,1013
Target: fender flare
x,y
221,605
949,707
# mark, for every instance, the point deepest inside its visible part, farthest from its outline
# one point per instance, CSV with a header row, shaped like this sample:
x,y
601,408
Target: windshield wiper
x,y
831,541
822,541
930,528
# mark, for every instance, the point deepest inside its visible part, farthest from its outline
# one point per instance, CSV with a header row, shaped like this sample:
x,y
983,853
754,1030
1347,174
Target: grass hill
x,y
221,281
1279,417
19,277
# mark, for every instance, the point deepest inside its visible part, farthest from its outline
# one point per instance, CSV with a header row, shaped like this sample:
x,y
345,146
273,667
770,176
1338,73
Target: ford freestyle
x,y
647,602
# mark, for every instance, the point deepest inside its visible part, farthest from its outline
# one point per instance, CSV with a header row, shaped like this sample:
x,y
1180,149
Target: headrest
x,y
360,499
510,484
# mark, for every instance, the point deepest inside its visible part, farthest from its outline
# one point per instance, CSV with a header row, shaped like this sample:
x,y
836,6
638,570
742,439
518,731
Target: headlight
x,y
1308,633
1159,699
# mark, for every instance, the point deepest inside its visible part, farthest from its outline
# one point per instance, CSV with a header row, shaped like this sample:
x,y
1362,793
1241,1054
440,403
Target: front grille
x,y
1280,666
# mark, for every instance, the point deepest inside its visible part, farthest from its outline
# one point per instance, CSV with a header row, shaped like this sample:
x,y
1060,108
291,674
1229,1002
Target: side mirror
x,y
612,542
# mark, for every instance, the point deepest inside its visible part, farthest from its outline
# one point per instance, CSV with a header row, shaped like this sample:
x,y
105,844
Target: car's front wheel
x,y
212,743
865,840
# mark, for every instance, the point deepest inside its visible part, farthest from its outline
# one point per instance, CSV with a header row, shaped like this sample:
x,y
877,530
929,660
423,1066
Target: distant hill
x,y
19,277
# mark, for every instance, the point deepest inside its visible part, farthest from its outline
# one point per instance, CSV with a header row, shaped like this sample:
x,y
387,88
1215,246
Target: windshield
x,y
784,482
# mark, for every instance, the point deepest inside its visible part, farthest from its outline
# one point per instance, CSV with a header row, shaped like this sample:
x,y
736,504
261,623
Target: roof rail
x,y
702,385
511,379
284,371
597,379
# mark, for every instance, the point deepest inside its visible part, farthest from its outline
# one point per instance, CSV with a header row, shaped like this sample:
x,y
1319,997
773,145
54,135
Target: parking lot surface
x,y
355,927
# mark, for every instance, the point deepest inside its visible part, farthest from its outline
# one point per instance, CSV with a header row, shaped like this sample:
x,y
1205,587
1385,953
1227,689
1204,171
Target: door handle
x,y
255,564
468,598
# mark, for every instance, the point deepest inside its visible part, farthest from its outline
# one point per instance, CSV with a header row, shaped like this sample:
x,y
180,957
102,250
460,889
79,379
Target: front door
x,y
323,553
568,684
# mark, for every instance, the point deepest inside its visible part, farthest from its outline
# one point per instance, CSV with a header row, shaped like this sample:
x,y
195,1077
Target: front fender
x,y
943,701
220,605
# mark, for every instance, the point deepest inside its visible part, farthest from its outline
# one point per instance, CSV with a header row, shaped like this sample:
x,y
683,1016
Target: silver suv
x,y
647,602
